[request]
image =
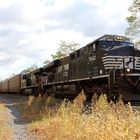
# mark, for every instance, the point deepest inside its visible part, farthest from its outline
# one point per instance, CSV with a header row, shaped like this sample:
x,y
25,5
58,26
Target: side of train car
x,y
109,64
11,85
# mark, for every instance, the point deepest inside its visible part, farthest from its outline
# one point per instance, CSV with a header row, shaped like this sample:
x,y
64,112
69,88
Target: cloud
x,y
31,30
92,19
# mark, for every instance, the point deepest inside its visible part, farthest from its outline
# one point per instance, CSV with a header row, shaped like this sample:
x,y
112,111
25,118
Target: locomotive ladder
x,y
113,82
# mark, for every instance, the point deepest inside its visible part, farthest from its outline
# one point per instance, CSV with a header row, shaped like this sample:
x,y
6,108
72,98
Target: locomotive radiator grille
x,y
119,62
137,63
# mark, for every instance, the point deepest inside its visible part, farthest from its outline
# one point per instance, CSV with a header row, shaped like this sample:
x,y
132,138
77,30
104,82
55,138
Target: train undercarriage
x,y
126,88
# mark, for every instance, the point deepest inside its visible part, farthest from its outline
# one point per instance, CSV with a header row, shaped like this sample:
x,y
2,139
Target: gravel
x,y
19,127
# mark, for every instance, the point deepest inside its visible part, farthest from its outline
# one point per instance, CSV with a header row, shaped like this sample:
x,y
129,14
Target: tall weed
x,y
106,121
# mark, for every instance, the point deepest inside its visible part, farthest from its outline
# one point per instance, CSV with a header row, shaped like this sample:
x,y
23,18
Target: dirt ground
x,y
14,111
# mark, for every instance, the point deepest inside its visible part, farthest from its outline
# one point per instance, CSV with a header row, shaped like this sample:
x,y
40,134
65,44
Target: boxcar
x,y
5,85
15,84
0,86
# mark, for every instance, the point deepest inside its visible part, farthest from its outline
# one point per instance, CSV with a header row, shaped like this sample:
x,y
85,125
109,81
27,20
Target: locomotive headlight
x,y
128,70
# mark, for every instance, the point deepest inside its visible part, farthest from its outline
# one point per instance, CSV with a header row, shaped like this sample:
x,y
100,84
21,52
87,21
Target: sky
x,y
31,30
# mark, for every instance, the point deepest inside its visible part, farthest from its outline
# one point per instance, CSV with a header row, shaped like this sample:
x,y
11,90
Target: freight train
x,y
110,64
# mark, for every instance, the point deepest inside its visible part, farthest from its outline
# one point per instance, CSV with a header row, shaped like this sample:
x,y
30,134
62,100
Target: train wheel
x,y
35,92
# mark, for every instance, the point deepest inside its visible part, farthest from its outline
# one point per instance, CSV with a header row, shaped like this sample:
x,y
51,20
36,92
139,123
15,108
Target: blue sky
x,y
31,30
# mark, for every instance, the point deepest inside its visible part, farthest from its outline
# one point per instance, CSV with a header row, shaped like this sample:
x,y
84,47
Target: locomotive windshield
x,y
111,44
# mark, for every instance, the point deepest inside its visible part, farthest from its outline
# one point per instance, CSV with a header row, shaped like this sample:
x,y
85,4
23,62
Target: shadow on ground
x,y
16,105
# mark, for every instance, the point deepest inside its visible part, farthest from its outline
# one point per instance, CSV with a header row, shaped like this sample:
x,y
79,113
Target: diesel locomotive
x,y
109,64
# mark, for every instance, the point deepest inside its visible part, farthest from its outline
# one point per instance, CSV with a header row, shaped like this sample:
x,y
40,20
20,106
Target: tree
x,y
65,49
46,61
133,31
12,75
30,69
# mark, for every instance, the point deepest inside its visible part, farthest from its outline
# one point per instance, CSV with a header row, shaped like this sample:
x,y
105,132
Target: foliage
x,y
12,75
46,61
133,31
4,120
30,69
114,121
65,49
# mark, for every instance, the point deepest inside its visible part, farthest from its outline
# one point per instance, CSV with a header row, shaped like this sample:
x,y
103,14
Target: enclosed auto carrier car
x,y
15,84
5,86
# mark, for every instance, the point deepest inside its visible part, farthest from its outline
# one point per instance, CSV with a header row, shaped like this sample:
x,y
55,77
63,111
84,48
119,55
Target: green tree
x,y
65,49
12,75
30,69
46,61
133,31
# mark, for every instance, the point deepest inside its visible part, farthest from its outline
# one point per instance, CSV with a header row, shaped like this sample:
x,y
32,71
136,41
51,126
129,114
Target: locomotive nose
x,y
129,88
134,80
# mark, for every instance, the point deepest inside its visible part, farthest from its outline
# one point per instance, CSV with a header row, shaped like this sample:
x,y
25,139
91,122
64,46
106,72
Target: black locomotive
x,y
109,64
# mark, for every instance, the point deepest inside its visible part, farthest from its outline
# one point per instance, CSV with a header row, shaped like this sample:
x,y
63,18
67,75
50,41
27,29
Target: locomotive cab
x,y
31,82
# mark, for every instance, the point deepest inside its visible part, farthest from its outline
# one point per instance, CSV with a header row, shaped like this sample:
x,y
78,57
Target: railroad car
x,y
31,83
0,86
5,86
11,85
110,64
14,85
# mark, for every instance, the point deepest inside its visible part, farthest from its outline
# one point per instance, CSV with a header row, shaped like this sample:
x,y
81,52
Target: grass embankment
x,y
69,121
5,130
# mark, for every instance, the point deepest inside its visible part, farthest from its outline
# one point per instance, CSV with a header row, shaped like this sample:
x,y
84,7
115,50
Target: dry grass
x,y
38,107
70,122
5,131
